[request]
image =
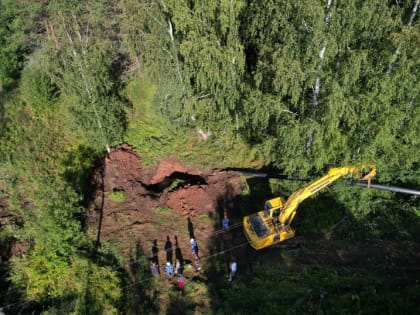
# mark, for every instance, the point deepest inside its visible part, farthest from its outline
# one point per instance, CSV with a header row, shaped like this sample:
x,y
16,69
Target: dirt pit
x,y
159,206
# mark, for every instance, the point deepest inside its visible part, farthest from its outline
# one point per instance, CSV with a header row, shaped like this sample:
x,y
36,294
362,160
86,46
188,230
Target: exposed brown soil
x,y
158,202
10,247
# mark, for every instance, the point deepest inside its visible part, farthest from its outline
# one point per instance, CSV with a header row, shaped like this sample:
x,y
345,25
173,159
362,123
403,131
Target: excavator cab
x,y
272,207
264,226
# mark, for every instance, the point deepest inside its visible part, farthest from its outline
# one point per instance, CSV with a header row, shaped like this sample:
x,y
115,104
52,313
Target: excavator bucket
x,y
371,172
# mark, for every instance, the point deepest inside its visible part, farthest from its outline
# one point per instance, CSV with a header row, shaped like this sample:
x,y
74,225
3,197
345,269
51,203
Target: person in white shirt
x,y
233,267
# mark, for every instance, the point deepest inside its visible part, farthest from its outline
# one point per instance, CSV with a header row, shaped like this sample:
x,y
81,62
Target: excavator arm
x,y
289,209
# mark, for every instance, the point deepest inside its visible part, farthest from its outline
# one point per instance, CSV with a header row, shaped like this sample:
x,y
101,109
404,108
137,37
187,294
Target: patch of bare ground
x,y
157,203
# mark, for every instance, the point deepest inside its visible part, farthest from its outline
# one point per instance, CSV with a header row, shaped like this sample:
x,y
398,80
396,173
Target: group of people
x,y
169,268
177,269
170,271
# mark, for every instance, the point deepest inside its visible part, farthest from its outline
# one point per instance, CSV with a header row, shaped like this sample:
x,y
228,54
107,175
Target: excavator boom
x,y
272,225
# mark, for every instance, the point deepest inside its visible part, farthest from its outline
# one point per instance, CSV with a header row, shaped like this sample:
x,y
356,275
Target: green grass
x,y
174,185
117,196
203,218
164,218
163,211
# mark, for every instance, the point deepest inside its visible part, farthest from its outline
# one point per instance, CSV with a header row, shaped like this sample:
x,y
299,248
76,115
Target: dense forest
x,y
292,86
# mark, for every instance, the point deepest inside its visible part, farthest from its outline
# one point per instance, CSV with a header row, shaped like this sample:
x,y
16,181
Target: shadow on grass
x,y
344,264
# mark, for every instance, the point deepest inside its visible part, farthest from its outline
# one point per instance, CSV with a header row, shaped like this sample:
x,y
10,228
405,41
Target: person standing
x,y
181,282
232,269
225,223
154,269
169,270
194,247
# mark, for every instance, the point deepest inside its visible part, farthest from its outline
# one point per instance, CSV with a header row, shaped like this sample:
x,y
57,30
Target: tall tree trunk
x,y
410,23
413,12
170,31
317,85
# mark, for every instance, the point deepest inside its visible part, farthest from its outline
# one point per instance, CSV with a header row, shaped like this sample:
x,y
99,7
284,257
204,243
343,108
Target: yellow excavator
x,y
272,225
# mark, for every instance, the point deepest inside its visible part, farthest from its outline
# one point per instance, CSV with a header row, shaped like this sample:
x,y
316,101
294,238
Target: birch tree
x,y
81,55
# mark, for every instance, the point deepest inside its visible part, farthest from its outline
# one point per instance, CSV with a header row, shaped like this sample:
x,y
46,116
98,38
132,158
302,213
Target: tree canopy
x,y
305,84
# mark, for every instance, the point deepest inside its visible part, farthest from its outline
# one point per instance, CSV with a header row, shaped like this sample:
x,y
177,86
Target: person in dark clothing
x,y
225,223
155,253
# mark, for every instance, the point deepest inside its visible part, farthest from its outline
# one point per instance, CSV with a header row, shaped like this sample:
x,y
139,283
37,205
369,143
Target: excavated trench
x,y
174,181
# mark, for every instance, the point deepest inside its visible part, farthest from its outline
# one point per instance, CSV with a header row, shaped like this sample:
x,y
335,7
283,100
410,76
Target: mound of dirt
x,y
150,206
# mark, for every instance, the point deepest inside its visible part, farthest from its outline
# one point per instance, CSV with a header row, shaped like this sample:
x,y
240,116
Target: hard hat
x,y
192,241
168,263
